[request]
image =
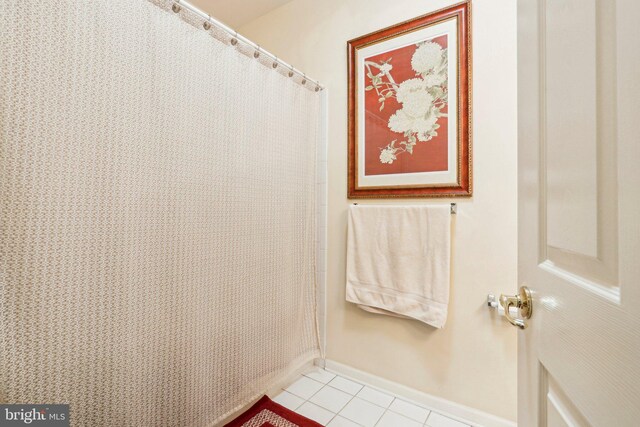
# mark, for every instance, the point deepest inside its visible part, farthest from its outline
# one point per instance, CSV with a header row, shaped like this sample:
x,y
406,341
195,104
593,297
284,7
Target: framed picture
x,y
409,115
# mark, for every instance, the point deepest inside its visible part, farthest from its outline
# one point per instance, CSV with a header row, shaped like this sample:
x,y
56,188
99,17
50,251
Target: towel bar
x,y
454,208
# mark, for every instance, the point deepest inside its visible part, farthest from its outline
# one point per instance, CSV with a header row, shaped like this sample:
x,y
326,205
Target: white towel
x,y
398,261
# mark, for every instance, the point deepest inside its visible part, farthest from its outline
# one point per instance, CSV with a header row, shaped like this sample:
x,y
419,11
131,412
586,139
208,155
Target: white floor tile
x,y
437,420
315,413
288,400
374,396
345,385
342,422
362,412
331,398
304,387
391,419
410,410
321,375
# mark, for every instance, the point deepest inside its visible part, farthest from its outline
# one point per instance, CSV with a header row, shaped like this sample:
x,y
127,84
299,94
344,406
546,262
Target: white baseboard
x,y
446,407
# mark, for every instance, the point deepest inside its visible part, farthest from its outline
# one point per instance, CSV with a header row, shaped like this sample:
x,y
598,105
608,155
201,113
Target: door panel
x,y
578,138
579,227
569,135
560,409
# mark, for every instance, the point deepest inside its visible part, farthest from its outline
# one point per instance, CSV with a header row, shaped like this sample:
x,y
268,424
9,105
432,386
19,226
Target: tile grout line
x,y
345,405
309,401
335,414
304,376
353,396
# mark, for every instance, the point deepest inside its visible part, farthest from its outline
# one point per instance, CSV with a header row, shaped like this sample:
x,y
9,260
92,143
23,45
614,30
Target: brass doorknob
x,y
522,301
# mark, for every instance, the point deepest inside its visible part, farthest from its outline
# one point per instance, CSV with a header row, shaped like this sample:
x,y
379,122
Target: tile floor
x,y
335,401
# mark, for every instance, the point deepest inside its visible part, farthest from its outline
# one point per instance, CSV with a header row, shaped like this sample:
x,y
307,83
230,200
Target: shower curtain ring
x,y
207,24
256,54
318,87
291,71
234,40
304,79
176,7
275,63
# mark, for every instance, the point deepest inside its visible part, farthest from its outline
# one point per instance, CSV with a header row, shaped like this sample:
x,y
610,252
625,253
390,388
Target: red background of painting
x,y
427,156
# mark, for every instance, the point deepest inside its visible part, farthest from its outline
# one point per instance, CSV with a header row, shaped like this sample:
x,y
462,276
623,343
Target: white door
x,y
579,212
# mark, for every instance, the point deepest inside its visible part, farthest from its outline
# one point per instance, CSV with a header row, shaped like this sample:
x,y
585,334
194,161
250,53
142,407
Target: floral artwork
x,y
406,101
422,98
409,115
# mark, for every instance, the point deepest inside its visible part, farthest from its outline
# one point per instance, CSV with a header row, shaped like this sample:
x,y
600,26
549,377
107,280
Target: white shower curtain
x,y
157,214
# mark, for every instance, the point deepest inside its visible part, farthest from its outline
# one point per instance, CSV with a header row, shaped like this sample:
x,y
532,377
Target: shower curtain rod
x,y
178,4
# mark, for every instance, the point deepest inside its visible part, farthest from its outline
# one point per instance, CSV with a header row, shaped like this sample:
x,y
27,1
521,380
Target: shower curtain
x,y
157,214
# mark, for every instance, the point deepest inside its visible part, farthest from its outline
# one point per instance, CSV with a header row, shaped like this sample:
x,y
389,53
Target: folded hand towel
x,y
398,261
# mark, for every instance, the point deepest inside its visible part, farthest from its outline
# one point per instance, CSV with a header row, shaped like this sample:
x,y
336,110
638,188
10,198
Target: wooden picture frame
x,y
409,99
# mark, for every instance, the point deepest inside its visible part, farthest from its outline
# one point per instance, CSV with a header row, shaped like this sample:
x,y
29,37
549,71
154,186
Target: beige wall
x,y
471,361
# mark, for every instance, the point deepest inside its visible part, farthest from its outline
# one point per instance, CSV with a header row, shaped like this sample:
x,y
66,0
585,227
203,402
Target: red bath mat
x,y
267,413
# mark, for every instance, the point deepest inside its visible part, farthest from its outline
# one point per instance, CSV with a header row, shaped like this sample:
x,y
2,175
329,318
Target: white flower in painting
x,y
387,155
402,121
427,136
410,87
427,57
417,104
421,98
417,114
